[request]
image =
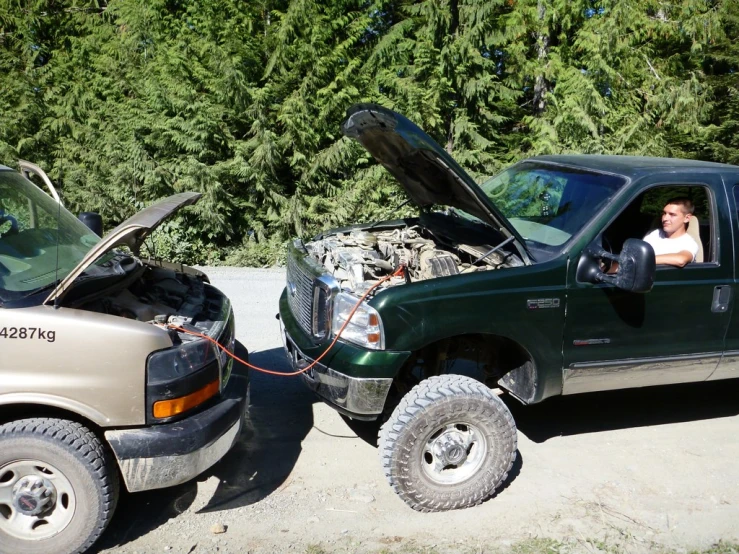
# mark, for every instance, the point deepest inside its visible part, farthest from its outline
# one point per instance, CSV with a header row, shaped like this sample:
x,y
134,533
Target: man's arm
x,y
678,260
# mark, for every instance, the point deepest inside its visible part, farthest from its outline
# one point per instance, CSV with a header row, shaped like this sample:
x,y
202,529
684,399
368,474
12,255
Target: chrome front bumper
x,y
359,398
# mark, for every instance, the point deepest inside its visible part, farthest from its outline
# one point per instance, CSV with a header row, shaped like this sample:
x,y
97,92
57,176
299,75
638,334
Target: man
x,y
672,244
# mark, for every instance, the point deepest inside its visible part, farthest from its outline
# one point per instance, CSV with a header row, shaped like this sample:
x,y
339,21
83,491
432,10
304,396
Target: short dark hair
x,y
685,203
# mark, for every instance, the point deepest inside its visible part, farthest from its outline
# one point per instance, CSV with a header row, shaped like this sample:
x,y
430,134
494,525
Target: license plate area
x,y
296,357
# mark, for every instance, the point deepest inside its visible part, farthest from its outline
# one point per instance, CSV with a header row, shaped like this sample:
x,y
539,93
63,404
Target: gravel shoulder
x,y
632,471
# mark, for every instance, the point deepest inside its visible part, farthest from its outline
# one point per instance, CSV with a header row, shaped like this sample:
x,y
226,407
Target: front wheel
x,y
58,487
448,444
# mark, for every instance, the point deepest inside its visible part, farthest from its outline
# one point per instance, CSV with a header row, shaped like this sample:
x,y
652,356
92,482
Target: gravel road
x,y
627,471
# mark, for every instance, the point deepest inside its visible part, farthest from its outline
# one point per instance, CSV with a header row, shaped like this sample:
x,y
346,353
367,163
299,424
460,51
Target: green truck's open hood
x,y
428,174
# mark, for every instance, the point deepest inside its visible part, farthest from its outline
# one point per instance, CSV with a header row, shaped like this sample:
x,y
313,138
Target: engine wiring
x,y
398,272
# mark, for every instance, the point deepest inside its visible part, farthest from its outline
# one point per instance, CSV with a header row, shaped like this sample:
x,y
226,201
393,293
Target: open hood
x,y
131,233
428,174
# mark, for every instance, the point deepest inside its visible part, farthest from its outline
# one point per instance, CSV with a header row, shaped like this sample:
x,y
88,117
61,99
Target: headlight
x,y
179,361
179,379
365,327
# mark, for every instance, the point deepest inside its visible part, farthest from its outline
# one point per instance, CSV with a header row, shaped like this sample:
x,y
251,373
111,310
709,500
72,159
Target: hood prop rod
x,y
489,252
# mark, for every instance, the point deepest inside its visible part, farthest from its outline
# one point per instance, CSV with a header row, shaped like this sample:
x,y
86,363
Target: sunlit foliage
x,y
127,101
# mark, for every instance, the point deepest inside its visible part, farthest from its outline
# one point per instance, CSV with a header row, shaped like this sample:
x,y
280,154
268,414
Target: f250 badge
x,y
542,303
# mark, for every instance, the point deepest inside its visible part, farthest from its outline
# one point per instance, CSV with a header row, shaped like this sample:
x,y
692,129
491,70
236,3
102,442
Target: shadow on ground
x,y
609,411
606,411
280,416
365,430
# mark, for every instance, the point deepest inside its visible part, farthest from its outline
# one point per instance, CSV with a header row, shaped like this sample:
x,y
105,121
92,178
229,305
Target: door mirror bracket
x,y
93,221
636,266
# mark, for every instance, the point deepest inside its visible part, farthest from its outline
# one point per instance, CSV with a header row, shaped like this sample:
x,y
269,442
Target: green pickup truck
x,y
536,283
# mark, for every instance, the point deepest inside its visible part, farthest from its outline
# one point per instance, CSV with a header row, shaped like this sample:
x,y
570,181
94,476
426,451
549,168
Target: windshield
x,y
30,246
548,204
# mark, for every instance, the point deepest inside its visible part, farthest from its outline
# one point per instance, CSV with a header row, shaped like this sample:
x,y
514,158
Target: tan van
x,y
95,386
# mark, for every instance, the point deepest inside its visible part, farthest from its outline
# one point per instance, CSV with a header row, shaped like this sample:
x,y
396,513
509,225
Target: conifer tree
x,y
720,141
126,101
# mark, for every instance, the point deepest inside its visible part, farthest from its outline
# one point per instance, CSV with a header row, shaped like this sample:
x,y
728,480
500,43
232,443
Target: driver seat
x,y
694,231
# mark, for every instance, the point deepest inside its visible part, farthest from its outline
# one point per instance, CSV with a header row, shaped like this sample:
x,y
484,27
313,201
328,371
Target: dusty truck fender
x,y
107,382
488,303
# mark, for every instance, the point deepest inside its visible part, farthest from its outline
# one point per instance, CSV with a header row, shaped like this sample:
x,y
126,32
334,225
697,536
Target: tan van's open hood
x,y
131,233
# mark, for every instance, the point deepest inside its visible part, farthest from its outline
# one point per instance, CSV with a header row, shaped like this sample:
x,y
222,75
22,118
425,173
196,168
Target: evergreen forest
x,y
124,102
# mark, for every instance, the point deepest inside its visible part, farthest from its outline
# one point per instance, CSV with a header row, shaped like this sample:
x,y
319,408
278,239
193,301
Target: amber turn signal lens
x,y
169,408
374,320
373,338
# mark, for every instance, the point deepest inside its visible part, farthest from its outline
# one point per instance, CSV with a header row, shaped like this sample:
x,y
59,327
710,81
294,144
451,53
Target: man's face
x,y
673,219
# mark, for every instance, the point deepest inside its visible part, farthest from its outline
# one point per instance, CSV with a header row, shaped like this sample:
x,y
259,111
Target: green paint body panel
x,y
599,337
487,302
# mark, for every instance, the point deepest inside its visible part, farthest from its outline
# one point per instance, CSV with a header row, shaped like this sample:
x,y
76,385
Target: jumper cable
x,y
398,272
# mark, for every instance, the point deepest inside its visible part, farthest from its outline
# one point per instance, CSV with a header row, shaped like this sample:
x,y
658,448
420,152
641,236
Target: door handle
x,y
721,298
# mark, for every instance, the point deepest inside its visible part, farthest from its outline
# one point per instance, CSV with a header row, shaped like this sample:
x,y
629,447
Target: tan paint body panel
x,y
95,367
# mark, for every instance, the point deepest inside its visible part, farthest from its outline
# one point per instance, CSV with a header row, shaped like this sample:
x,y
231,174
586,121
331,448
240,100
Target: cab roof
x,y
635,166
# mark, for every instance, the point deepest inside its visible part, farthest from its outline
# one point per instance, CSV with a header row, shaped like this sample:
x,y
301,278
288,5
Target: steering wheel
x,y
606,264
13,223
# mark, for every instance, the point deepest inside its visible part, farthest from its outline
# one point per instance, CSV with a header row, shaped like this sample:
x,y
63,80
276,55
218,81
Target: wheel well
x,y
13,412
490,359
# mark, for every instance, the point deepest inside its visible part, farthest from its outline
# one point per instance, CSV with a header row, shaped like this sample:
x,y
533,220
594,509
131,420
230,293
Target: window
x,y
40,241
643,215
548,204
735,190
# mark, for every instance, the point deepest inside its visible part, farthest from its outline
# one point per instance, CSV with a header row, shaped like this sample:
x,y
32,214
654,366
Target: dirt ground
x,y
630,471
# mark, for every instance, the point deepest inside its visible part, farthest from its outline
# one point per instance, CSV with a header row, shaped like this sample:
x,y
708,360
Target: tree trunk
x,y
454,33
542,44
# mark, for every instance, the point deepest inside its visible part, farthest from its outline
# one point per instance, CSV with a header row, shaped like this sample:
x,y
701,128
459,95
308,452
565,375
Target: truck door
x,y
615,339
729,366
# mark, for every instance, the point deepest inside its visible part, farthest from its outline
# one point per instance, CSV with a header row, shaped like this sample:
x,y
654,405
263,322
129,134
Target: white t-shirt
x,y
664,245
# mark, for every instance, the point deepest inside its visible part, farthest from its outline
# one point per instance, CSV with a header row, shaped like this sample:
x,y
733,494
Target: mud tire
x,y
87,468
443,402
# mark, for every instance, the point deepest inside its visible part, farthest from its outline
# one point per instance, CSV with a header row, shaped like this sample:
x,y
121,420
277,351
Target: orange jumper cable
x,y
397,272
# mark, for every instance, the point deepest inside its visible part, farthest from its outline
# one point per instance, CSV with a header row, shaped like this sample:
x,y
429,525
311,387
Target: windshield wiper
x,y
44,288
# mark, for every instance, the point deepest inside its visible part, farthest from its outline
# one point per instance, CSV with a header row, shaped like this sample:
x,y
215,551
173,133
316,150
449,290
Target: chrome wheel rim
x,y
453,453
36,500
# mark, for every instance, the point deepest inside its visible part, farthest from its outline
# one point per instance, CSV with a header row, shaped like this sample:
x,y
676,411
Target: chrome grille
x,y
300,289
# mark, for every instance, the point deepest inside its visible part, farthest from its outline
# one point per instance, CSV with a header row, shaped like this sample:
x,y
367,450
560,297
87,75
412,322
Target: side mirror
x,y
93,221
636,267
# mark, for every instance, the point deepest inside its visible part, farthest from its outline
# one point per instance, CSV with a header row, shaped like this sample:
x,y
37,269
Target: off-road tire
x,y
432,404
85,463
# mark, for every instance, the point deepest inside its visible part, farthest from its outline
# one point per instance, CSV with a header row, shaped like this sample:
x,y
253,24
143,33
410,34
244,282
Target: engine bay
x,y
164,296
359,258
